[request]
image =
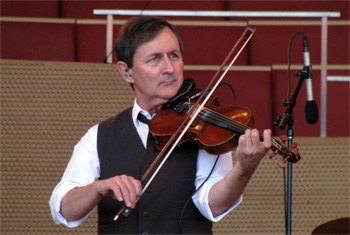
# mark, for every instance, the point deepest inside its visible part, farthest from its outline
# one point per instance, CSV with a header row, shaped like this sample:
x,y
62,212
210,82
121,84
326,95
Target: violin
x,y
216,129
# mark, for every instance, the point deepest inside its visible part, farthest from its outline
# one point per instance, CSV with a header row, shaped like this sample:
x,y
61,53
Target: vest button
x,y
145,214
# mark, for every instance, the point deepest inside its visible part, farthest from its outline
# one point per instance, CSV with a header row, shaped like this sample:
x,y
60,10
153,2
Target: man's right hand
x,y
122,188
78,202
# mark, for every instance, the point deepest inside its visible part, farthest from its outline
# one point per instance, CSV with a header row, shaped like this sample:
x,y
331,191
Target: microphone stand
x,y
288,120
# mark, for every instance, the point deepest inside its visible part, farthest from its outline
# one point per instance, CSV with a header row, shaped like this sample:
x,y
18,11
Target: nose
x,y
169,66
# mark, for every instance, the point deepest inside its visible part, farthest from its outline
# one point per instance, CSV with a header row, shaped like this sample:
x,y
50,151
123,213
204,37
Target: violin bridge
x,y
194,111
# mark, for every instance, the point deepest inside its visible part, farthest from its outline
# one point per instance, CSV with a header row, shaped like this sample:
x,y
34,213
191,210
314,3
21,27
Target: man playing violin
x,y
107,164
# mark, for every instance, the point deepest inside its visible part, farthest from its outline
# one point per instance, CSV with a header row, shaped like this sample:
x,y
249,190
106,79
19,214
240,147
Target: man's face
x,y
158,70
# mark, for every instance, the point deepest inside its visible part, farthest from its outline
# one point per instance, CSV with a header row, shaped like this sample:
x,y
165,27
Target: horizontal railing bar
x,y
218,13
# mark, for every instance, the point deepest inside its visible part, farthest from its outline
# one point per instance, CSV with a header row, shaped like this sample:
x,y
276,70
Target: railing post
x,y
109,39
324,40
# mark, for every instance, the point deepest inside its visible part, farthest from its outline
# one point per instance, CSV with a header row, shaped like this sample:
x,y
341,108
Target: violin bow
x,y
192,113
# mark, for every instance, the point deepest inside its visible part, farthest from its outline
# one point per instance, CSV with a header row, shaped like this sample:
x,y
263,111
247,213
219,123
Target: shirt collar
x,y
135,112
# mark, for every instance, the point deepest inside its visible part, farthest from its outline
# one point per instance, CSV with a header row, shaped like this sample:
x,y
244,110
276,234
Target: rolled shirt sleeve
x,y
204,165
82,169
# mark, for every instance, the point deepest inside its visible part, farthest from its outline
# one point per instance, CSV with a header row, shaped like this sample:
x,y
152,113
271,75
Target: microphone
x,y
311,111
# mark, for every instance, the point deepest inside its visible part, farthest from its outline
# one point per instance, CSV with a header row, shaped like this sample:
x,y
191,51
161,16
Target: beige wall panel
x,y
47,106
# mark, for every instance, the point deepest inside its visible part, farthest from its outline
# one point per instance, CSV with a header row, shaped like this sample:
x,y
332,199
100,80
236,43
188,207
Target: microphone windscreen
x,y
311,112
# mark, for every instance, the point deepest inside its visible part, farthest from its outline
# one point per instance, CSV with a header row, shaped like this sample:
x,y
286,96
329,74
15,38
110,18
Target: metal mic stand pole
x,y
288,119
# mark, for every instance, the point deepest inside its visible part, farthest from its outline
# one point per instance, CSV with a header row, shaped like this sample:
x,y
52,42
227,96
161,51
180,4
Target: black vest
x,y
121,151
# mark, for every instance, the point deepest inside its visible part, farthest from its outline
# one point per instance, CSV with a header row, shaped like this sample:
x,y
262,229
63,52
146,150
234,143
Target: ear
x,y
124,71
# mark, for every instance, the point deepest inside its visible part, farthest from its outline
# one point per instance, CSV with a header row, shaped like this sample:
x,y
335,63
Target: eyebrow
x,y
161,54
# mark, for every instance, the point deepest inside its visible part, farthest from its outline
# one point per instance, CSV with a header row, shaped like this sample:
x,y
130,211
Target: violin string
x,y
222,121
219,119
239,126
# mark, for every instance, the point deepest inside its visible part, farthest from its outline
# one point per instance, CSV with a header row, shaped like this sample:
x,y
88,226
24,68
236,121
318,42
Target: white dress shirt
x,y
84,168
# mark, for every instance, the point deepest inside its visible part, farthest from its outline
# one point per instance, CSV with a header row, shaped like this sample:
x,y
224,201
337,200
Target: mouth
x,y
168,81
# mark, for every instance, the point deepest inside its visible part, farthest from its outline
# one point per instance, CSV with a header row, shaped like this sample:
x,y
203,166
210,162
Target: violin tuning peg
x,y
284,138
282,163
273,154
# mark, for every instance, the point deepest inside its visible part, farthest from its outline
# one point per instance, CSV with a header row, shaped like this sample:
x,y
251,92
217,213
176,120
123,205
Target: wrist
x,y
98,187
244,171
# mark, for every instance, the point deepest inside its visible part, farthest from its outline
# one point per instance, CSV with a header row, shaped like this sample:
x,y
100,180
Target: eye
x,y
153,59
174,55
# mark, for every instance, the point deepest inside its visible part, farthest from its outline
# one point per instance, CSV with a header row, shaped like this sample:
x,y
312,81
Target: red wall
x,y
84,9
38,41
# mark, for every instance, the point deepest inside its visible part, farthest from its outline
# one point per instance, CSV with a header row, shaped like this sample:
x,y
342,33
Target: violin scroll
x,y
291,154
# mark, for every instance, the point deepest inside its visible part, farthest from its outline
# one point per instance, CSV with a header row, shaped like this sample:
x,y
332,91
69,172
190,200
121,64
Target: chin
x,y
168,94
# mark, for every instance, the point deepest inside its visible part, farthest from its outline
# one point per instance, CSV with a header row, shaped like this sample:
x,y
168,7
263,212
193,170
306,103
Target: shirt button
x,y
145,214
